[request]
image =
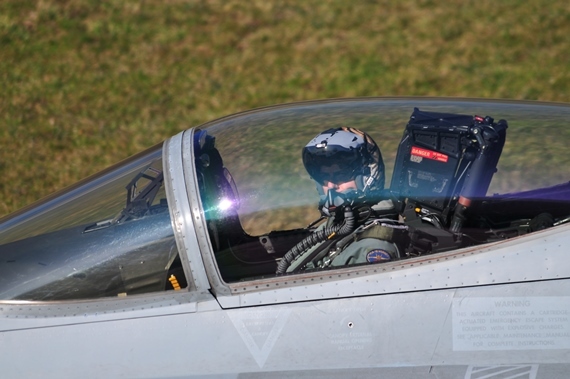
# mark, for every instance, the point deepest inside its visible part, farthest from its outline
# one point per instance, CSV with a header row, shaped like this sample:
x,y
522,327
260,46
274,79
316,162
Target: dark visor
x,y
334,164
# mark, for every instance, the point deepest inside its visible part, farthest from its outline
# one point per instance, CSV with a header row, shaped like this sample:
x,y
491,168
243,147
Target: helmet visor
x,y
334,164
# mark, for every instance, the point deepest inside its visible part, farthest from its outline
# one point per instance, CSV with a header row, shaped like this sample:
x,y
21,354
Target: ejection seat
x,y
444,165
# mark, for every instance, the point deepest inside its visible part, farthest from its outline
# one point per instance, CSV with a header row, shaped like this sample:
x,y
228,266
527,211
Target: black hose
x,y
317,237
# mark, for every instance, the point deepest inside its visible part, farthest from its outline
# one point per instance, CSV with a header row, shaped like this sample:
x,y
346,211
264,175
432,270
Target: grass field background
x,y
85,84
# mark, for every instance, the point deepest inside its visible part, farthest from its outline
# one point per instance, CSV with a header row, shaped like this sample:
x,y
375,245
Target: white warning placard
x,y
511,323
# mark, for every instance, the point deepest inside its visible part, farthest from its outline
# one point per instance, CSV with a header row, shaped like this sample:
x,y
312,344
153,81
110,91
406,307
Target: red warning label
x,y
429,154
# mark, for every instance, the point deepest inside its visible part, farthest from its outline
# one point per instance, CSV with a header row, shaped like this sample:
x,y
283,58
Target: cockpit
x,y
458,174
442,165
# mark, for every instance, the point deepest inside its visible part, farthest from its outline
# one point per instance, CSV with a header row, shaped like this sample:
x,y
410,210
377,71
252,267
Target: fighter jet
x,y
218,253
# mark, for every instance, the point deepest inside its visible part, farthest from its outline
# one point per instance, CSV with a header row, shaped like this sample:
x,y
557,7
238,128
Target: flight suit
x,y
372,244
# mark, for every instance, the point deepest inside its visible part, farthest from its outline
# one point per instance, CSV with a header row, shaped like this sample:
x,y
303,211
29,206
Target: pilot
x,y
347,166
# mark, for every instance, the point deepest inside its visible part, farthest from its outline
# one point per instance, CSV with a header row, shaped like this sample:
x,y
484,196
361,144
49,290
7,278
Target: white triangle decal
x,y
259,329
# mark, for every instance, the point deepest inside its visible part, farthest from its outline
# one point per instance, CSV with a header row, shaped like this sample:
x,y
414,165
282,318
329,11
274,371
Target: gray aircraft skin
x,y
165,265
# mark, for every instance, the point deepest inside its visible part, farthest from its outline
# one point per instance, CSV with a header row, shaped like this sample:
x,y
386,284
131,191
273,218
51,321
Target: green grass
x,y
87,83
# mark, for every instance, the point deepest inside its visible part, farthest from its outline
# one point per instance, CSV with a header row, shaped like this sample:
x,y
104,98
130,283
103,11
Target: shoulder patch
x,y
378,255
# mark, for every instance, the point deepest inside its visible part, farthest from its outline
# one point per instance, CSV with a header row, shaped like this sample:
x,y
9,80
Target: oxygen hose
x,y
319,236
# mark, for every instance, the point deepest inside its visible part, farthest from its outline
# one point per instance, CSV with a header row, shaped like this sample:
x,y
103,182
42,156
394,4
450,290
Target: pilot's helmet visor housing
x,y
344,154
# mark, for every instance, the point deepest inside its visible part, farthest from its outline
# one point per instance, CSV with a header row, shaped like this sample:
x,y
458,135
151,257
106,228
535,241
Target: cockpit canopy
x,y
513,186
113,234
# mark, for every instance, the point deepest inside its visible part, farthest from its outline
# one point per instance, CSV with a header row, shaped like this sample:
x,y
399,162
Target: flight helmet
x,y
340,155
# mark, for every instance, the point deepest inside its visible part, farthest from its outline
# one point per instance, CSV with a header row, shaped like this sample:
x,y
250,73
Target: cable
x,y
317,237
